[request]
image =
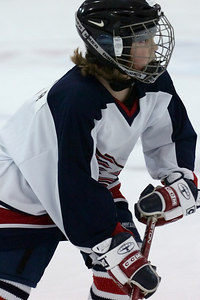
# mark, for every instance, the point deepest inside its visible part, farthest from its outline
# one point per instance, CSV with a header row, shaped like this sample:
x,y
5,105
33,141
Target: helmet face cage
x,y
161,38
117,48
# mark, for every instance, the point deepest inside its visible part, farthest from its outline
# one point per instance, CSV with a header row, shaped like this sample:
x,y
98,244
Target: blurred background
x,y
37,39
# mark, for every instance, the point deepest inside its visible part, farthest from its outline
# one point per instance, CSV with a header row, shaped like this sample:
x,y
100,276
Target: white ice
x,y
36,41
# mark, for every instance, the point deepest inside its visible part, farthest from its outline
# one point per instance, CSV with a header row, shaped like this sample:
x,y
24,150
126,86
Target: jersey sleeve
x,y
169,140
88,209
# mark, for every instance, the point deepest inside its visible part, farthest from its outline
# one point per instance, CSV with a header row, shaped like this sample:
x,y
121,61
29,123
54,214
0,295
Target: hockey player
x,y
61,155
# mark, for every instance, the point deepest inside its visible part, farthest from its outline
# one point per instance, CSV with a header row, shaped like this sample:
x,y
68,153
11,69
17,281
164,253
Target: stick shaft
x,y
146,245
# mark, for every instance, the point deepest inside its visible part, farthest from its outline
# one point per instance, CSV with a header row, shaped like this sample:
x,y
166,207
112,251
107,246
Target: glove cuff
x,y
113,250
179,199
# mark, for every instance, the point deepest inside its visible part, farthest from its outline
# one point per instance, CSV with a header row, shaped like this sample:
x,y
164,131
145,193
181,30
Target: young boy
x,y
61,155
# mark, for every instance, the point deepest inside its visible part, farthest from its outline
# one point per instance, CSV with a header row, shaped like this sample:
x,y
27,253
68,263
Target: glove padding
x,y
121,257
169,203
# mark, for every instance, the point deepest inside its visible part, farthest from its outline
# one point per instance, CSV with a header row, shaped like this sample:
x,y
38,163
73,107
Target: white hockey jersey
x,y
62,152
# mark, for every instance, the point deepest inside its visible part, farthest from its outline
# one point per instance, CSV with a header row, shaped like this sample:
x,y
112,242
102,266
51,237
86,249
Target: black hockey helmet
x,y
110,27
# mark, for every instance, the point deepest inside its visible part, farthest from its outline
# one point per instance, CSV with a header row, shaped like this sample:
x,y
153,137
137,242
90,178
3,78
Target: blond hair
x,y
95,69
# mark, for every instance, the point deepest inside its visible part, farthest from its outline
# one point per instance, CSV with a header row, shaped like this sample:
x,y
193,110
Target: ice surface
x,y
36,41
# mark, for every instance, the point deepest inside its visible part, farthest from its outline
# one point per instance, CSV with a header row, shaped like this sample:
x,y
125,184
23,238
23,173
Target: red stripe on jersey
x,y
116,192
11,217
107,157
105,179
107,285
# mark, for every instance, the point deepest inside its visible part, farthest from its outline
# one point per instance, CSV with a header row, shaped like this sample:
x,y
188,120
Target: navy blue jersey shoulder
x,y
75,103
184,135
163,83
81,93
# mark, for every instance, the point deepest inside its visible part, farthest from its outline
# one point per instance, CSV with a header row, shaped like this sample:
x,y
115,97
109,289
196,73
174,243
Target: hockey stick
x,y
146,245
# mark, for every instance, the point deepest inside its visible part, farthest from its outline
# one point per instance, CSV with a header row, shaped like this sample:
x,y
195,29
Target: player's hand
x,y
176,199
121,257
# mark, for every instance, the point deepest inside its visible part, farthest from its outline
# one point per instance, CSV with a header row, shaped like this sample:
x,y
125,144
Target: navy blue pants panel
x,y
24,260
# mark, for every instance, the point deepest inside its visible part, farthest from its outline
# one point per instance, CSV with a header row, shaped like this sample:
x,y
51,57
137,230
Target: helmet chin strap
x,y
119,85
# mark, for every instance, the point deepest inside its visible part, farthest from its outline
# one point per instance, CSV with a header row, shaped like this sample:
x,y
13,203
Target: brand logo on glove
x,y
172,196
184,190
125,248
131,260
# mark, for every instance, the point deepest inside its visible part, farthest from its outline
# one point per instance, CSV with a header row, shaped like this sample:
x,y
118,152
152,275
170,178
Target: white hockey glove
x,y
178,198
121,257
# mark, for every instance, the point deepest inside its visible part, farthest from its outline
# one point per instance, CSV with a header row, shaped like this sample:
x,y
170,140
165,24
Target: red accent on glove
x,y
195,179
132,263
107,285
126,288
171,200
129,265
170,196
